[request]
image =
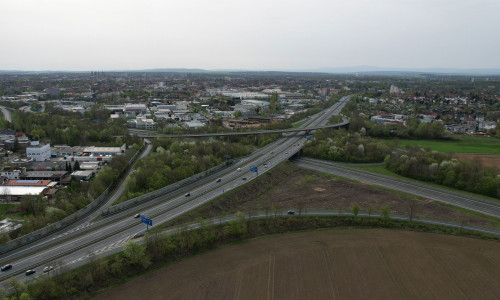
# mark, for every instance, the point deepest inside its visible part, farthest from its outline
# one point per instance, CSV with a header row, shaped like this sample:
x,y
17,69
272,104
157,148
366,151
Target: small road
x,y
6,114
491,208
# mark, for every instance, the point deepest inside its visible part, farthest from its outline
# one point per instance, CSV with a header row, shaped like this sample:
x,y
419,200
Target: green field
x,y
459,144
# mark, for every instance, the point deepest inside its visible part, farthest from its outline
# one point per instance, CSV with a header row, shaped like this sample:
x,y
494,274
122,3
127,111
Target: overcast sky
x,y
255,35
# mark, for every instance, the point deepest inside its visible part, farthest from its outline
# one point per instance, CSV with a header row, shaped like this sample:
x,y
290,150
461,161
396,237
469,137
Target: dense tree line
x,y
64,127
340,145
427,165
173,160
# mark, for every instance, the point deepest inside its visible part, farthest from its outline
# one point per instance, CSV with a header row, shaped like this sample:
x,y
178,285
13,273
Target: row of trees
x,y
427,165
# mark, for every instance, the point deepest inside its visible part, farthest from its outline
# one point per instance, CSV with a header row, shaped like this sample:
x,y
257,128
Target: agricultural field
x,y
330,264
459,144
489,160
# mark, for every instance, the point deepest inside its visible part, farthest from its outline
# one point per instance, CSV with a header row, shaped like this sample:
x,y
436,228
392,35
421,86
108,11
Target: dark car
x,y
187,194
244,178
29,272
137,216
6,267
291,212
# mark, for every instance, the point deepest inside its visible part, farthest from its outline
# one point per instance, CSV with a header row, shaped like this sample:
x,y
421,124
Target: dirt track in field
x,y
331,264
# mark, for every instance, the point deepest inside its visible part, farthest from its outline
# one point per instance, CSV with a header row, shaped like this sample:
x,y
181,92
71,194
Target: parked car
x,y
291,212
48,269
6,267
187,194
29,272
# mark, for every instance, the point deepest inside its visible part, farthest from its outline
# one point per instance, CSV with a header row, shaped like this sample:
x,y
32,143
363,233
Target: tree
x,y
412,208
136,254
17,287
355,210
385,212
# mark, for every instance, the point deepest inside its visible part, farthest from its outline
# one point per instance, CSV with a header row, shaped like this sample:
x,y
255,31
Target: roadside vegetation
x,y
427,165
340,145
172,160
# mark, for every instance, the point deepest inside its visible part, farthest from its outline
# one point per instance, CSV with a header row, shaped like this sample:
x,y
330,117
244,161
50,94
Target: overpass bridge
x,y
306,130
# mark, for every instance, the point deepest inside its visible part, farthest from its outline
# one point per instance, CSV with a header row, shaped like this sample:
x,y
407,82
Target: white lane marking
x,y
107,248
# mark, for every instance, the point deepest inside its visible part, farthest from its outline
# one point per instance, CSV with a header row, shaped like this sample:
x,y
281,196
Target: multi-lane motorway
x,y
108,235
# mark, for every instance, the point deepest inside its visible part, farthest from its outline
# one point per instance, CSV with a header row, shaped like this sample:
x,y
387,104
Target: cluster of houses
x,y
247,104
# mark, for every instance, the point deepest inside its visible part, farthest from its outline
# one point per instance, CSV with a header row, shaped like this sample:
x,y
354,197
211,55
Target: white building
x,y
37,151
13,173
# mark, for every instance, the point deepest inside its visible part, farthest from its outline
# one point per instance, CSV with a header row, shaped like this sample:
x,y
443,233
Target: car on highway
x,y
187,194
238,170
6,267
218,180
286,152
137,216
291,212
29,272
48,269
272,152
244,178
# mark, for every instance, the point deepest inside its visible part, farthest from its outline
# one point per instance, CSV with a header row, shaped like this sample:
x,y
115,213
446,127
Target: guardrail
x,y
164,190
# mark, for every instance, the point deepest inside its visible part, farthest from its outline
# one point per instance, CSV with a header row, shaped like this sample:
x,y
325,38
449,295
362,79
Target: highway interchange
x,y
72,248
106,236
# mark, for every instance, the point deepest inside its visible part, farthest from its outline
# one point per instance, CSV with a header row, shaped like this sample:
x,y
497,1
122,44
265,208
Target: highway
x,y
71,248
491,208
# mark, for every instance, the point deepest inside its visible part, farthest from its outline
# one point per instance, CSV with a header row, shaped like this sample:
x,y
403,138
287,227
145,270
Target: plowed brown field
x,y
331,264
489,160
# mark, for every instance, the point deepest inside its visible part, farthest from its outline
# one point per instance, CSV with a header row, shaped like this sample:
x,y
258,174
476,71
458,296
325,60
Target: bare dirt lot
x,y
291,187
331,264
489,160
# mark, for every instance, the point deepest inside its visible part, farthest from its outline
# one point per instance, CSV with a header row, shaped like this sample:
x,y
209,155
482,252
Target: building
x,y
82,175
102,151
135,108
57,176
37,151
13,173
14,193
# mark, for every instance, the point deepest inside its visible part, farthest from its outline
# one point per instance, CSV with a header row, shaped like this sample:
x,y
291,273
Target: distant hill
x,y
371,70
